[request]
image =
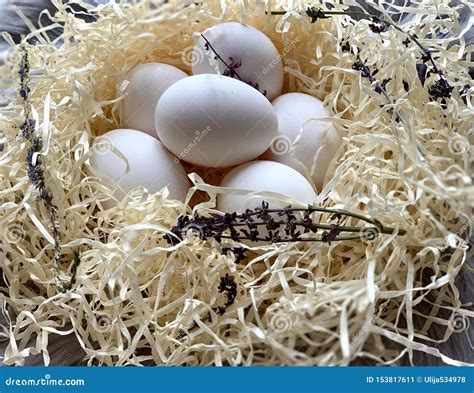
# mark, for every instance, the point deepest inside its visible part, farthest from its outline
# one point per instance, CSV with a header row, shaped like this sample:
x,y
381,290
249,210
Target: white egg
x,y
215,121
147,82
150,165
319,140
237,43
264,176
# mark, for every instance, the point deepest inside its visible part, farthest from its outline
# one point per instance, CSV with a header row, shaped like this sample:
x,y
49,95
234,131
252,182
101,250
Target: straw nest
x,y
138,300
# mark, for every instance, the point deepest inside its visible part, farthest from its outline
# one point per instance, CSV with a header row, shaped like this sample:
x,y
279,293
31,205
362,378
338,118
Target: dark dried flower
x,y
256,86
27,130
227,286
360,66
239,253
316,13
380,88
463,93
345,46
377,28
406,86
422,71
45,195
233,65
440,89
24,93
331,235
175,237
425,57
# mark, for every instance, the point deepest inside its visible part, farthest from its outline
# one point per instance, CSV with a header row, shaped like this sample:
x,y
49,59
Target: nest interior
x,y
136,300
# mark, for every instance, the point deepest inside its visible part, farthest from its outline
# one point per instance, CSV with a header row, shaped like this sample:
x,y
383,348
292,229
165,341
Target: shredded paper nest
x,y
137,300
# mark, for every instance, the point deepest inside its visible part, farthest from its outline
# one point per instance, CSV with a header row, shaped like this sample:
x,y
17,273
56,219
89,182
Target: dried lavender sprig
x,y
36,170
282,225
317,13
312,209
365,72
208,45
228,287
441,89
231,68
66,286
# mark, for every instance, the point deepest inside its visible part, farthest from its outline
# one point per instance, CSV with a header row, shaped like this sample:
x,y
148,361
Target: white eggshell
x,y
150,165
146,84
235,42
319,140
264,176
215,121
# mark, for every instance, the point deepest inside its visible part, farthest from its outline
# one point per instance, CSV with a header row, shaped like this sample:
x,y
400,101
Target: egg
x,y
246,50
215,121
150,165
264,176
319,140
146,84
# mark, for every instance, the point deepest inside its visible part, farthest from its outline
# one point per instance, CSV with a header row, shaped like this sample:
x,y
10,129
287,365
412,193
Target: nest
x,y
133,299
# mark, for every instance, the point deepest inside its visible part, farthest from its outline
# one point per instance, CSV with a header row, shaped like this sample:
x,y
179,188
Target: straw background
x,y
40,338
